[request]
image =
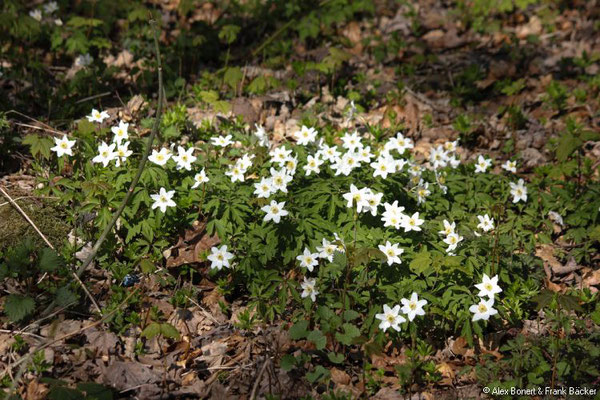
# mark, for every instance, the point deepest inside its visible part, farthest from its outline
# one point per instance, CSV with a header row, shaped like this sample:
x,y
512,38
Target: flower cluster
x,y
452,238
485,308
384,161
391,318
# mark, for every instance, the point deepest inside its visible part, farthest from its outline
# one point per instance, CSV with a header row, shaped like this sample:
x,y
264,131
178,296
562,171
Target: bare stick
x,y
258,378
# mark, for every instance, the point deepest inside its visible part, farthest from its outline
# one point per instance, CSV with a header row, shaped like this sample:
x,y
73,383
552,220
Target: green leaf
x,y
350,315
18,307
299,330
147,266
151,330
318,339
169,331
336,358
319,373
39,145
421,262
543,299
350,333
233,76
49,260
570,303
65,297
567,143
287,362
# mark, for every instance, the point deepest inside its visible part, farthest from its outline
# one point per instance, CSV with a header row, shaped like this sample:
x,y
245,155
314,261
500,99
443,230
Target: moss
x,y
46,214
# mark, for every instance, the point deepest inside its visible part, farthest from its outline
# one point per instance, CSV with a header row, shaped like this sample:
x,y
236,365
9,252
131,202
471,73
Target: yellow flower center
x,y
482,308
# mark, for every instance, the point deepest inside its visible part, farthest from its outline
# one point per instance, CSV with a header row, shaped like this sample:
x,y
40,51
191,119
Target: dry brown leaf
x,y
36,391
447,372
340,377
102,341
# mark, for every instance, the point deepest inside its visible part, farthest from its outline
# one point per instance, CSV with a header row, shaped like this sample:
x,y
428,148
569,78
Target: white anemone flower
x,y
448,228
163,199
327,250
308,260
200,178
309,289
264,188
413,306
221,141
489,287
274,211
120,132
63,146
106,153
486,223
482,164
390,318
452,241
97,116
412,223
184,158
392,252
510,166
122,153
305,135
518,191
219,257
160,157
484,310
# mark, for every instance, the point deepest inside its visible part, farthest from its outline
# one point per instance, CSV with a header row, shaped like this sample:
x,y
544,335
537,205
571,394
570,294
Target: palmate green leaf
x,y
233,76
421,262
17,307
65,393
39,145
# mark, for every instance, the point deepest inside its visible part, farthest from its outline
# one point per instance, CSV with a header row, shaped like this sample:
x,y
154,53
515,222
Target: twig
x,y
32,119
15,333
137,176
258,378
92,97
40,128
